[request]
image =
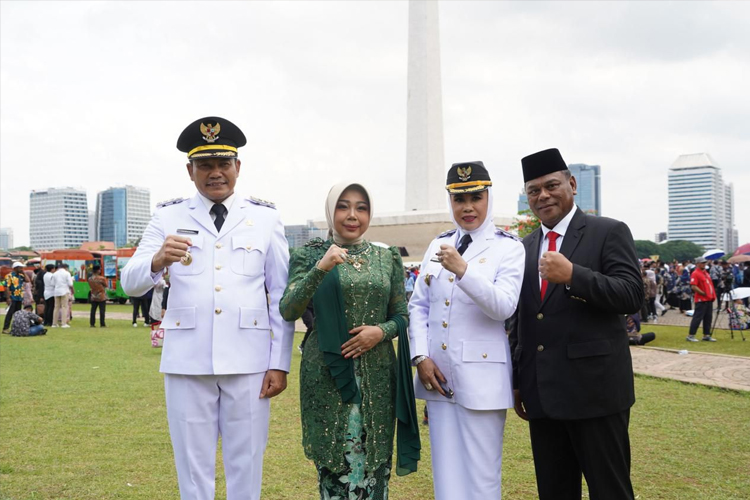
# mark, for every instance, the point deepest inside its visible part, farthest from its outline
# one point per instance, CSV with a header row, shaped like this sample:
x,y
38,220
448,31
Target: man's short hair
x,y
49,267
28,306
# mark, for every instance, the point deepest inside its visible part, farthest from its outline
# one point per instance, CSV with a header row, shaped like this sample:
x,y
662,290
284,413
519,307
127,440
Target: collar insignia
x,y
210,133
464,173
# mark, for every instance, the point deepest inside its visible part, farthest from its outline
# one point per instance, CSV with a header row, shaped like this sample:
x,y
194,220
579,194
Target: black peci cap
x,y
542,163
469,177
211,137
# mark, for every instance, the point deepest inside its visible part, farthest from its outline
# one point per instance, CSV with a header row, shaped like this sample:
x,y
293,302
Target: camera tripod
x,y
729,297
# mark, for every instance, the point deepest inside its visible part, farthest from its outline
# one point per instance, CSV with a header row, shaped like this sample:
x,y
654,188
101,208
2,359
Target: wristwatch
x,y
417,360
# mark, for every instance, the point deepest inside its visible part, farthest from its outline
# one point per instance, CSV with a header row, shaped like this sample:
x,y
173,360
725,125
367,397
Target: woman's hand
x,y
333,257
365,338
431,376
451,260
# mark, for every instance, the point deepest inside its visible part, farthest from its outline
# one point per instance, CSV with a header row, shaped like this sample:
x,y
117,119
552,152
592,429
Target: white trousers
x,y
467,451
200,408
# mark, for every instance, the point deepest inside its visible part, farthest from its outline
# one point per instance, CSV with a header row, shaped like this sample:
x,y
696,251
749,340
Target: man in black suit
x,y
573,376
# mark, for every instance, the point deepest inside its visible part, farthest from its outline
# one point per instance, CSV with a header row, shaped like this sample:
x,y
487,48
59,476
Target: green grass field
x,y
673,337
82,417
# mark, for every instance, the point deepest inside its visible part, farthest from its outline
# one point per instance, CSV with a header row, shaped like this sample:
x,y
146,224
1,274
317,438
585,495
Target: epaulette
x,y
447,233
315,243
173,201
263,203
503,232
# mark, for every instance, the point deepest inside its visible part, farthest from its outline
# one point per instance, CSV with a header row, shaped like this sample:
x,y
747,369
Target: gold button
x,y
484,355
219,245
249,247
218,267
447,302
255,322
482,260
540,348
445,325
177,323
444,346
540,316
450,279
217,310
217,288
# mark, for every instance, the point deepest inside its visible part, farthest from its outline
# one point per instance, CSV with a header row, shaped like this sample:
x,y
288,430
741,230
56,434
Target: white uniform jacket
x,y
460,324
219,320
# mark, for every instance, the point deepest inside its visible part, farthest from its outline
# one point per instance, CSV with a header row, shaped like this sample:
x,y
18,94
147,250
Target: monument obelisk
x,y
426,213
425,166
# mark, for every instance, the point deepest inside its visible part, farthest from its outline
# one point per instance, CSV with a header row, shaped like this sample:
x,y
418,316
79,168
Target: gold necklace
x,y
356,260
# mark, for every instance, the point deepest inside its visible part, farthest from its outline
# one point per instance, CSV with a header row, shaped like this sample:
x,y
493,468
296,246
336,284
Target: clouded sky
x,y
95,94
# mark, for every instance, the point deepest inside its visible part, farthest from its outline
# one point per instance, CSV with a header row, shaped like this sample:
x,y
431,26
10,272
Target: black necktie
x,y
219,210
465,241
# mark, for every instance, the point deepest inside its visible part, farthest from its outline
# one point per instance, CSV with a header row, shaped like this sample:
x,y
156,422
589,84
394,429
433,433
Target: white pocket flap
x,y
246,243
179,318
254,318
196,240
476,351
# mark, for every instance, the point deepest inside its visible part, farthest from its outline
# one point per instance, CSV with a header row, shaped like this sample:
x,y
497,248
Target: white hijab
x,y
489,219
333,198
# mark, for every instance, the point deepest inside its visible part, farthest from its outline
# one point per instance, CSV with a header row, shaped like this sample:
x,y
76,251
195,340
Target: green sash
x,y
407,429
330,323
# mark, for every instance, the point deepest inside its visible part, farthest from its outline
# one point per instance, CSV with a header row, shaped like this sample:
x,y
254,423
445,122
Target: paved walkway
x,y
718,370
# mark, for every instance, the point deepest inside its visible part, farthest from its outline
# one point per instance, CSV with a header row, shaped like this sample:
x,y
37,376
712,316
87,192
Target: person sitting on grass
x,y
26,323
634,331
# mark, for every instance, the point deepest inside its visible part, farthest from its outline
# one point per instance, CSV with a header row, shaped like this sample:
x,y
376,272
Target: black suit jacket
x,y
571,358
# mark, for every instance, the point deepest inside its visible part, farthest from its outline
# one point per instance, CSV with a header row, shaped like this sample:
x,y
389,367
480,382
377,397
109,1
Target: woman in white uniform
x,y
469,285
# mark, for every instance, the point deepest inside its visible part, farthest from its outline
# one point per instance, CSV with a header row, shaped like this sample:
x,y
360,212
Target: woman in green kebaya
x,y
348,375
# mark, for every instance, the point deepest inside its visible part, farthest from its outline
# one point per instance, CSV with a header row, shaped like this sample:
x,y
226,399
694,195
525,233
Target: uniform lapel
x,y
200,214
532,263
236,215
574,234
478,245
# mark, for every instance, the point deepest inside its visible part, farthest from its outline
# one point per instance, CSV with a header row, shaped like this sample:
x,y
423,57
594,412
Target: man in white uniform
x,y
226,348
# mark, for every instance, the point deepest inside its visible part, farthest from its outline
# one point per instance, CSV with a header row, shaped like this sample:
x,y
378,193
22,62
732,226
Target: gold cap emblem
x,y
464,173
210,132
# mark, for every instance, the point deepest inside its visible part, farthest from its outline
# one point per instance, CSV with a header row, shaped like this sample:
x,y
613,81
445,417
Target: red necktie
x,y
552,237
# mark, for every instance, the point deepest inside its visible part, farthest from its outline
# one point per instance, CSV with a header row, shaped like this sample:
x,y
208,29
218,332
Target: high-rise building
x,y
59,218
660,237
92,225
732,236
523,202
6,238
122,214
701,206
298,235
588,178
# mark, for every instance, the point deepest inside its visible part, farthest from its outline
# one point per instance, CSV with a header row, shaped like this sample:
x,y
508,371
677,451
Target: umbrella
x,y
739,258
737,293
713,254
744,249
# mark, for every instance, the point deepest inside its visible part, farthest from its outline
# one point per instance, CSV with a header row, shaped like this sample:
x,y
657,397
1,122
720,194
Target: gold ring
x,y
428,386
359,349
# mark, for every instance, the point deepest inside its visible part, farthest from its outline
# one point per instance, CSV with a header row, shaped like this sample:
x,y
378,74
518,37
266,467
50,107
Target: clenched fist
x,y
172,250
556,268
333,257
451,260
